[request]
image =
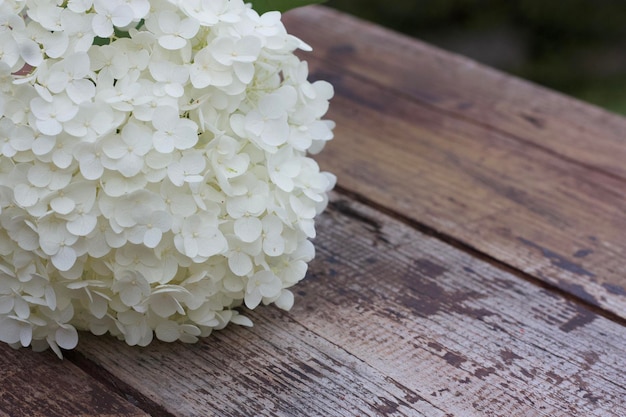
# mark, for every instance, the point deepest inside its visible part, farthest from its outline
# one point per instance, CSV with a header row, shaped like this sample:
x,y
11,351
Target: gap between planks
x,y
116,385
493,341
476,253
277,368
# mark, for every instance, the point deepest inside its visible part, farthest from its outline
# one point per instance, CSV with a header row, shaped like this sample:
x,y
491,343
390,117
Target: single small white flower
x,y
263,284
273,241
50,176
251,197
178,200
50,115
78,29
9,49
210,12
189,168
240,54
70,75
170,76
283,167
46,13
110,13
199,237
175,32
268,124
57,242
134,328
140,8
240,255
108,60
52,44
79,6
206,71
89,157
125,151
172,131
131,287
150,228
91,122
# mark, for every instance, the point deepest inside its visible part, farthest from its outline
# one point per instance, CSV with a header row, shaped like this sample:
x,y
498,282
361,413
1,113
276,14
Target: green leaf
x,y
262,6
101,41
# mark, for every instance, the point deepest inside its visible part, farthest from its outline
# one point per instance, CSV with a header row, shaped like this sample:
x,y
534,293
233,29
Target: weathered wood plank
x,y
452,328
548,216
464,88
277,368
390,323
40,385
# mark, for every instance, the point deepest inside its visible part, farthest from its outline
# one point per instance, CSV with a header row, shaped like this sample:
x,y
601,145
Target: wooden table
x,y
472,262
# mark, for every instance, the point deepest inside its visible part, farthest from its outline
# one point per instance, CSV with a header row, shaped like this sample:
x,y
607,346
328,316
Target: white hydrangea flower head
x,y
154,168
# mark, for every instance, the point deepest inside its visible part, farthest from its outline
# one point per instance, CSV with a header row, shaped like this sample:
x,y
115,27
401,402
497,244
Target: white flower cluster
x,y
153,167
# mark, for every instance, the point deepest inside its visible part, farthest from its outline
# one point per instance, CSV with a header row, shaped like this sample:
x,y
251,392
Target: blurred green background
x,y
574,46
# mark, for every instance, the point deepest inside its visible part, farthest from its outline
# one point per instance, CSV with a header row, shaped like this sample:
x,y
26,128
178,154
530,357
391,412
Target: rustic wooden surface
x,y
471,263
39,385
526,176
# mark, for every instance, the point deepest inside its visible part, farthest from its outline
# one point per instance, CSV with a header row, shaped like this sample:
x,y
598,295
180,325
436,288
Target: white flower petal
x,y
62,205
152,237
66,337
240,264
25,195
248,229
82,225
131,296
241,320
253,299
285,300
64,259
167,331
9,330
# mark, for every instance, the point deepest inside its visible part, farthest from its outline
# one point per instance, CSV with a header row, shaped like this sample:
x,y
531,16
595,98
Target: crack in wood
x,y
559,261
344,208
117,385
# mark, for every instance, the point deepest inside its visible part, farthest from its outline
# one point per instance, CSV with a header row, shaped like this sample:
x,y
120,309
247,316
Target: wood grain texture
x,y
554,217
40,385
465,88
277,368
451,327
390,323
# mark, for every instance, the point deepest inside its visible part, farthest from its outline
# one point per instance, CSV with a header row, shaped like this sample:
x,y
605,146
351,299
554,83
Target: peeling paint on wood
x,y
276,368
582,317
538,364
559,261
